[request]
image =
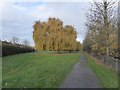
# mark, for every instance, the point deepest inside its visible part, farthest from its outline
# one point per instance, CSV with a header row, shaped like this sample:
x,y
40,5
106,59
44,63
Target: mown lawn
x,y
0,72
37,69
107,78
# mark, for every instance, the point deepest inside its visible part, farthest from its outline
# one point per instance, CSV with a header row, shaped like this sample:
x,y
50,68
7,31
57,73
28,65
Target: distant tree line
x,y
52,35
102,35
10,48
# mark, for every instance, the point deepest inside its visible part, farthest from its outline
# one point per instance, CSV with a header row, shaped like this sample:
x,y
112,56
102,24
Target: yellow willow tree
x,y
52,35
70,38
56,27
37,35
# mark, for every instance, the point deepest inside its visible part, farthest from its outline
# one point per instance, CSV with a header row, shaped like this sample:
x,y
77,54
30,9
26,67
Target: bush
x,y
9,48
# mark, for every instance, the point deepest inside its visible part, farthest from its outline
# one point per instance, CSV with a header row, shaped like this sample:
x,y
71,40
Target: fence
x,y
111,62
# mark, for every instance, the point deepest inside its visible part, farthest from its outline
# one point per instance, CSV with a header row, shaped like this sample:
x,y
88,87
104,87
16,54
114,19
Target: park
x,y
57,59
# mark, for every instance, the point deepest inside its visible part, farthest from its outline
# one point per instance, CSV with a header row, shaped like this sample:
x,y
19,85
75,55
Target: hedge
x,y
11,49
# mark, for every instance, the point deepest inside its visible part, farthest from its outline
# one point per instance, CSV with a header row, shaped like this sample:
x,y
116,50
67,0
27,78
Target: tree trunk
x,y
106,27
70,51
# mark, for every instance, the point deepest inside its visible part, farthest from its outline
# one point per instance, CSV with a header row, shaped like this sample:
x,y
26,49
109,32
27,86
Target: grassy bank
x,y
107,78
0,72
35,70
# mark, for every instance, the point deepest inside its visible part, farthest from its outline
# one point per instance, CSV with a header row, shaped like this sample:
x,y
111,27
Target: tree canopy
x,y
102,35
52,35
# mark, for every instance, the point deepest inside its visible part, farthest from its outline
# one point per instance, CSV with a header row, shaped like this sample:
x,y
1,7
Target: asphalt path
x,y
81,76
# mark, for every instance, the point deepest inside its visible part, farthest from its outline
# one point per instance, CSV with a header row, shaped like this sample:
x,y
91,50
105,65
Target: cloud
x,y
69,13
18,18
16,22
50,0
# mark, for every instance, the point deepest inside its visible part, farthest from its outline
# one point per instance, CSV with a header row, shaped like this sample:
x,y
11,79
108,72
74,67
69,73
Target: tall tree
x,y
100,25
52,35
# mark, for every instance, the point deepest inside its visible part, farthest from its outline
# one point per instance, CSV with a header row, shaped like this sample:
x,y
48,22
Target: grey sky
x,y
18,18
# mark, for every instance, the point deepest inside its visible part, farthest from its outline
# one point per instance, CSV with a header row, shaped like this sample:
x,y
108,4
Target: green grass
x,y
0,72
107,78
37,69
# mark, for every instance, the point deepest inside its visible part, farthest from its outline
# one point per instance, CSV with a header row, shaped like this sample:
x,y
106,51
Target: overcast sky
x,y
18,17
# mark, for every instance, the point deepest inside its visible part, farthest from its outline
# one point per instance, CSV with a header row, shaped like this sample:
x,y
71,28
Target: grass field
x,y
0,72
107,78
37,69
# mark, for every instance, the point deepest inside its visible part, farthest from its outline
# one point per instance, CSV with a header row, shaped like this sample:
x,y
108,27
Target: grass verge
x,y
37,70
107,77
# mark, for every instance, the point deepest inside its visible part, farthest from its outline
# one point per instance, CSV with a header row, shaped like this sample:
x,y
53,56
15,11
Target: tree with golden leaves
x,y
52,35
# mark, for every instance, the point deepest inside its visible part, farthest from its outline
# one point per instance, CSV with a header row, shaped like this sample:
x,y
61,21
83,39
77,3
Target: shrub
x,y
9,48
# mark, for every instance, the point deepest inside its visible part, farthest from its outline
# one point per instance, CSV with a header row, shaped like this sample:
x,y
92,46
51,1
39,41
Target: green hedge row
x,y
11,49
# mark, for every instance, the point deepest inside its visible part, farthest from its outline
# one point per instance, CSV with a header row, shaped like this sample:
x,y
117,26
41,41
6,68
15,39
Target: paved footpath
x,y
81,76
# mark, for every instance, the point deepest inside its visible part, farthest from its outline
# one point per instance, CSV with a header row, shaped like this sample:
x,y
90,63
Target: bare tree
x,y
100,18
26,42
15,40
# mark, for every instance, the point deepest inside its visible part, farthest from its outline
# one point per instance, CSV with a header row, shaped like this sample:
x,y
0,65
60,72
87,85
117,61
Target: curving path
x,y
81,76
